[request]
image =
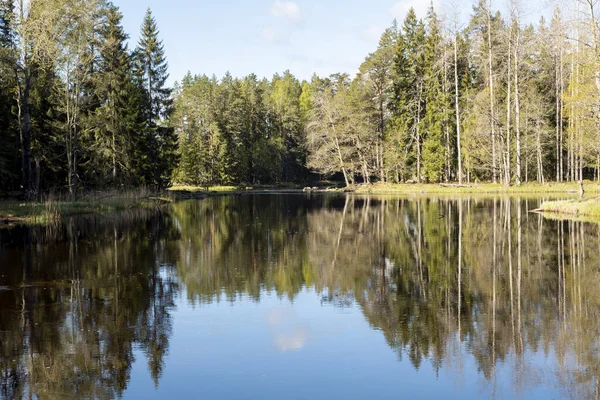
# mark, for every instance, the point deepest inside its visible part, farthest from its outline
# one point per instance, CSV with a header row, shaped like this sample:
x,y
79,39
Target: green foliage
x,y
152,65
236,131
151,77
438,104
91,113
8,134
79,111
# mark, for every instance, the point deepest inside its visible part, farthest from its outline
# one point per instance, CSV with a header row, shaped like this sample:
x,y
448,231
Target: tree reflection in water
x,y
441,278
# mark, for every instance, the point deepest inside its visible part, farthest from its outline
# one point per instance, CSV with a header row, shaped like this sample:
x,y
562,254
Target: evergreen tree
x,y
7,33
437,101
153,67
285,123
9,151
113,86
409,66
152,76
201,146
377,72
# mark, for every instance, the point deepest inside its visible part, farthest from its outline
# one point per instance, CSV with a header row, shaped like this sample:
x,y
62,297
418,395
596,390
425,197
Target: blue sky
x,y
269,36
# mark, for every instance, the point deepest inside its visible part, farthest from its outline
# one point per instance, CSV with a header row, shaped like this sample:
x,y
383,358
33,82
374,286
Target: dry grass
x,y
52,207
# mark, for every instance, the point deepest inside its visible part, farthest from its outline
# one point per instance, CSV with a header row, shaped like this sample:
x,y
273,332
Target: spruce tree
x,y
409,66
8,137
152,62
437,102
7,34
112,86
152,76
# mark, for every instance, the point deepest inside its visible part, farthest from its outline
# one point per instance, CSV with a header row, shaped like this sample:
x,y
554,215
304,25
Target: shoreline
x,y
23,212
587,208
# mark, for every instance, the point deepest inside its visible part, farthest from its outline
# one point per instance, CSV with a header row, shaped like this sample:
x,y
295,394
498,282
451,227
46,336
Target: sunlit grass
x,y
242,188
475,188
52,208
578,208
202,189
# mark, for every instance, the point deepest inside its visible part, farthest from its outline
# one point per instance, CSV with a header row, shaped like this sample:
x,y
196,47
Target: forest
x,y
78,109
494,98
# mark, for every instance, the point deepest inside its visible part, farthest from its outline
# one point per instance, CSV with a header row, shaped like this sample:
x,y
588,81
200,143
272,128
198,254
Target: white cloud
x,y
286,9
400,9
292,341
289,333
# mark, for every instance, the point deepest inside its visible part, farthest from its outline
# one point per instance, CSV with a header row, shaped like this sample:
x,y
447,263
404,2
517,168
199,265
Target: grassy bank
x,y
585,208
477,188
54,208
561,188
220,190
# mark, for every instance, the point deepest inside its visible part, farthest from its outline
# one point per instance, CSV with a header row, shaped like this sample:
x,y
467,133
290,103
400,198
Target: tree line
x,y
493,99
78,109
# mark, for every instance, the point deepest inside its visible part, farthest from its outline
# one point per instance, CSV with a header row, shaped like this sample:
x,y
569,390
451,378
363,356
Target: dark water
x,y
299,297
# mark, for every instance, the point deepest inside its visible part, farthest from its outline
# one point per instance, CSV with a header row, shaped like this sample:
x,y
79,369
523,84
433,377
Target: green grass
x,y
476,188
533,189
585,208
53,208
220,190
211,189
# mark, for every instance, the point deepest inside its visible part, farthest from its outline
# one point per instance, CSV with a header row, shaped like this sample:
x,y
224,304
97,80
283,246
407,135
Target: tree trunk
x,y
446,122
561,138
457,106
26,139
114,158
418,133
508,116
517,106
491,79
341,160
540,165
571,128
558,121
380,146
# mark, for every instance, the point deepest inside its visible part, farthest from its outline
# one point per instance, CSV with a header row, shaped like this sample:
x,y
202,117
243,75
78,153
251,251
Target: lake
x,y
303,296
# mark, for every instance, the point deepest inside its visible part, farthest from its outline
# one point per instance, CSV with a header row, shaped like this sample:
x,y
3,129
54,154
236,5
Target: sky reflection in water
x,y
298,296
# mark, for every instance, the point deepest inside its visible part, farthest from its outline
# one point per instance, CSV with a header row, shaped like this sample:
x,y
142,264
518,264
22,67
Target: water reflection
x,y
76,300
470,286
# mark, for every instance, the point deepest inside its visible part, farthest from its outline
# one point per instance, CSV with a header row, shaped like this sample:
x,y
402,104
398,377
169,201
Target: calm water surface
x,y
303,297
